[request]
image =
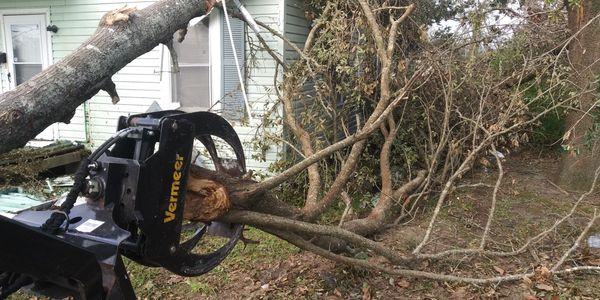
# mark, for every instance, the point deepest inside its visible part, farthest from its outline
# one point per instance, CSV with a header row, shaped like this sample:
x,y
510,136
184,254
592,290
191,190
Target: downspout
x,y
86,122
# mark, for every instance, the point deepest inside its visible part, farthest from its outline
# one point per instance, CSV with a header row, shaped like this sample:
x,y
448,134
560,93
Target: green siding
x,y
139,83
259,83
296,26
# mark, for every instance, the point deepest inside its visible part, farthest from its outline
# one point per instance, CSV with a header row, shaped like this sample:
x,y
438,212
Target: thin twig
x,y
527,244
557,187
348,202
577,243
494,198
306,245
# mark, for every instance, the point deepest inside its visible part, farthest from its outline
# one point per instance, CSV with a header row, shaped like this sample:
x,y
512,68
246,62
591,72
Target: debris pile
x,y
26,163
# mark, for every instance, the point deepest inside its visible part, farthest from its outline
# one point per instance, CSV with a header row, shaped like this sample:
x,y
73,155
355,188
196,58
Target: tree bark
x,y
582,157
54,94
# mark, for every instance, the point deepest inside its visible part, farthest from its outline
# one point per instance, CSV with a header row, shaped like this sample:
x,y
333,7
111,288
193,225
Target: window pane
x,y
194,48
26,42
193,87
25,72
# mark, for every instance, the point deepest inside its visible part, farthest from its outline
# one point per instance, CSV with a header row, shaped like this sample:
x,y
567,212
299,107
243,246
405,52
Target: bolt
x,y
93,186
93,189
174,126
93,166
172,249
90,185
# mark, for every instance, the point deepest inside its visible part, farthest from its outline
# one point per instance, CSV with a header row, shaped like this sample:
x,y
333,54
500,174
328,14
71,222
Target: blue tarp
x,y
14,200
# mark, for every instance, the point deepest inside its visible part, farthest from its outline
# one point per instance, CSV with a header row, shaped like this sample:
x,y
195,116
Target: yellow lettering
x,y
169,216
178,165
176,176
175,188
170,212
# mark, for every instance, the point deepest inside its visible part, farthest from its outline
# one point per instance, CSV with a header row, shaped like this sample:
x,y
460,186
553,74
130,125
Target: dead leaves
x,y
527,282
541,280
499,270
542,274
366,292
527,296
403,283
544,287
594,262
173,279
459,293
494,128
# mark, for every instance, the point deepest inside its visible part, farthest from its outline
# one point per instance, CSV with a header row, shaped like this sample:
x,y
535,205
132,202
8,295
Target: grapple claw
x,y
193,241
135,188
186,263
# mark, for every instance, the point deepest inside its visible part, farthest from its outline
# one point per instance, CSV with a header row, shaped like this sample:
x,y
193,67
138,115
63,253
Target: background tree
x,y
582,131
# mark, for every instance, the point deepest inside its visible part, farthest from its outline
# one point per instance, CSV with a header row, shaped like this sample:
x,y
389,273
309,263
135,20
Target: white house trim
x,y
31,11
215,34
166,88
46,50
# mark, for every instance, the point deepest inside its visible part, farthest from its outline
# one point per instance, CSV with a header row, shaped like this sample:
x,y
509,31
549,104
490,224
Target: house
x,y
36,33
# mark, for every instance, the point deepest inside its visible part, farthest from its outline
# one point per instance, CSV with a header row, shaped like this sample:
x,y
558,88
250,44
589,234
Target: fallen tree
x,y
458,106
54,94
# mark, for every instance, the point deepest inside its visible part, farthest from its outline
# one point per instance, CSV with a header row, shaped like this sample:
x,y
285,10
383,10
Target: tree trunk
x,y
54,94
581,139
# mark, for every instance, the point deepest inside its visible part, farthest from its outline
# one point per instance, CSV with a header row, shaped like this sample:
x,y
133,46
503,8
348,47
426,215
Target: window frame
x,y
169,89
46,42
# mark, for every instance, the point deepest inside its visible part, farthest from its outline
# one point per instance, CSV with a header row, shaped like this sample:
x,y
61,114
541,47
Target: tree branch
x,y
111,89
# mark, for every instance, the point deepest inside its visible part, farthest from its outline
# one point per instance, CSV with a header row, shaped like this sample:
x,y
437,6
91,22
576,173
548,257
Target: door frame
x,y
46,38
47,59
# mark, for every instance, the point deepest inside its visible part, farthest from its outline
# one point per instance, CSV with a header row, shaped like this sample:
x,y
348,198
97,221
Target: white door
x,y
27,52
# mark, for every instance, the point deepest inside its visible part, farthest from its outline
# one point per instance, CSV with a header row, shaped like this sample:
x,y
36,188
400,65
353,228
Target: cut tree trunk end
x,y
206,200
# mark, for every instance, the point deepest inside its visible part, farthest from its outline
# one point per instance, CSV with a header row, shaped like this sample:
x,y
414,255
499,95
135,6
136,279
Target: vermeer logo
x,y
170,212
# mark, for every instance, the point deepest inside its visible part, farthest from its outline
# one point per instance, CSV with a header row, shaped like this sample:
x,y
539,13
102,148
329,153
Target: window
x,y
207,76
191,86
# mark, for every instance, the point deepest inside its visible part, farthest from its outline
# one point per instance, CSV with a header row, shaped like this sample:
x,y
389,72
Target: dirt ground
x,y
528,202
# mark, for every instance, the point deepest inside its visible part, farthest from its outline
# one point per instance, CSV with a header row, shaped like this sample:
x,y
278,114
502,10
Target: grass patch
x,y
157,282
